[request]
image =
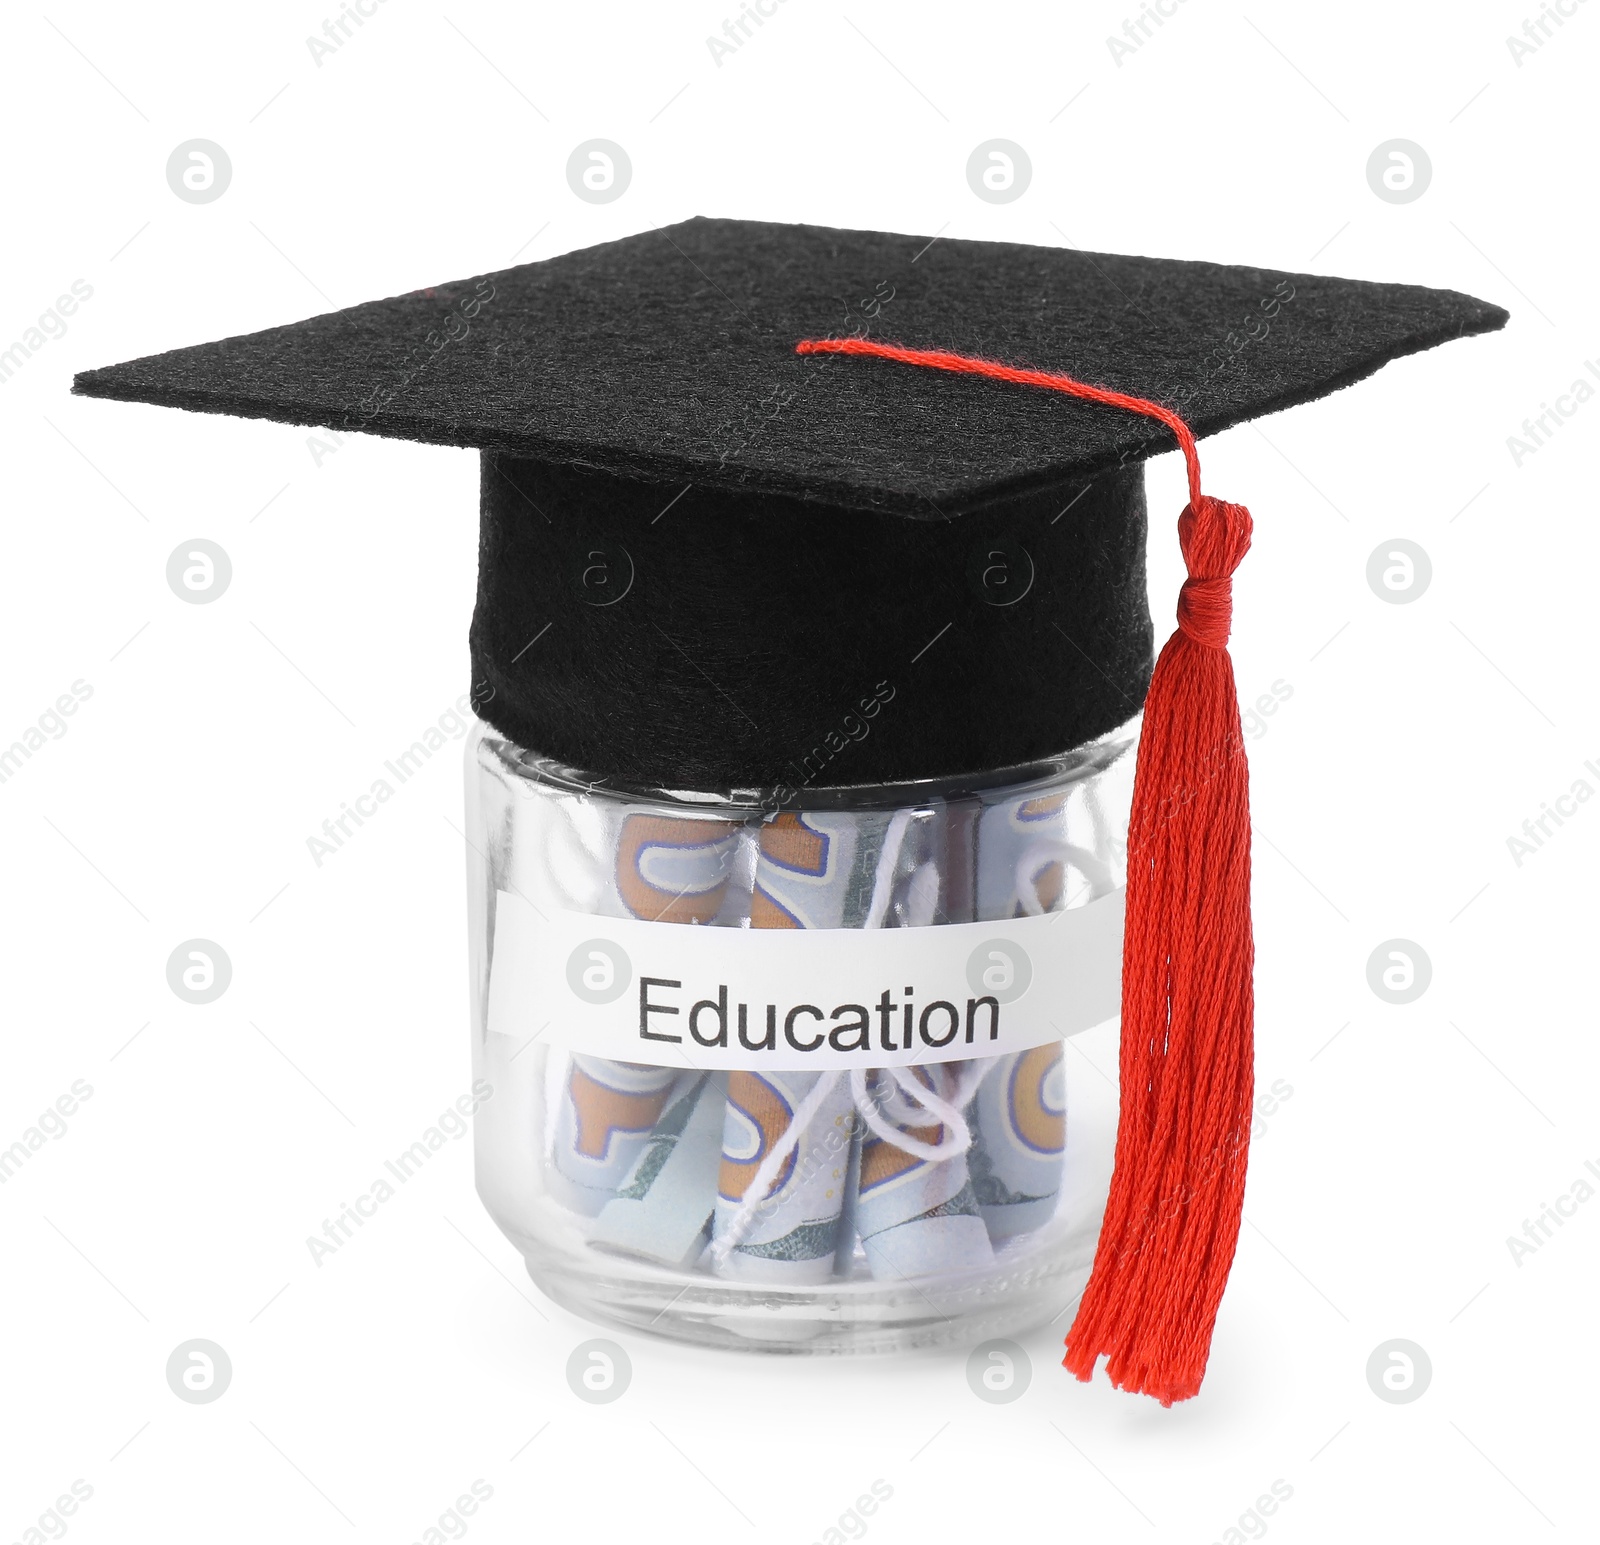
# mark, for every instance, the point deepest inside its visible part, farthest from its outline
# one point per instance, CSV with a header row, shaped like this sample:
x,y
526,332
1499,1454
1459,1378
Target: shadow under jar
x,y
795,1079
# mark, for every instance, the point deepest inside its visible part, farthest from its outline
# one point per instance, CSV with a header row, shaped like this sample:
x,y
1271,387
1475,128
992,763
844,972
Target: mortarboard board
x,y
714,421
606,384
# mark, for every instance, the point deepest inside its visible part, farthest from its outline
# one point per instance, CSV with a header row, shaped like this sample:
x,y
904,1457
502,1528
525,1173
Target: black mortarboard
x,y
784,522
711,538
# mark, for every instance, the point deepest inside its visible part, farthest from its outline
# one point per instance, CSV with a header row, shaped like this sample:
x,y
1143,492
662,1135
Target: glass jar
x,y
703,1118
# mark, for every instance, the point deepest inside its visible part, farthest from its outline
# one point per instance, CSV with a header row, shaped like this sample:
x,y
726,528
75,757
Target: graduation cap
x,y
740,480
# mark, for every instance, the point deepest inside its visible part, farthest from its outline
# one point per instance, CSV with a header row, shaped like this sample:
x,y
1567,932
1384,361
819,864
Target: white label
x,y
696,997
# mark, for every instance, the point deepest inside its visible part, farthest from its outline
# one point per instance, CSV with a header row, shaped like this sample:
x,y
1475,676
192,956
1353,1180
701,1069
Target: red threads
x,y
963,364
1172,1216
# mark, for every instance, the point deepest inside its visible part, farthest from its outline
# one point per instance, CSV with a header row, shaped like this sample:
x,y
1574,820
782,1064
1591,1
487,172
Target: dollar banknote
x,y
662,1210
673,869
916,1214
606,1113
787,1232
817,869
1022,868
1019,1140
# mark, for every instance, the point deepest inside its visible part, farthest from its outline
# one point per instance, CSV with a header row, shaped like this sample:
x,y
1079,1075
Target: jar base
x,y
849,1319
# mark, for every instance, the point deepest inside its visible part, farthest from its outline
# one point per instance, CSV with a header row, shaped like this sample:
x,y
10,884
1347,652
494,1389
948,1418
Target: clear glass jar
x,y
716,1186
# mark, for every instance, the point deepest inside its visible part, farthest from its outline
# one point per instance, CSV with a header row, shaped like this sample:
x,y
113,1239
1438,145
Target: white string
x,y
1038,854
888,859
950,1117
894,1105
966,1075
872,1108
969,1078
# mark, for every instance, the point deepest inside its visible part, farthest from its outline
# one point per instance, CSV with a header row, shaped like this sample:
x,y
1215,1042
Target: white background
x,y
368,1394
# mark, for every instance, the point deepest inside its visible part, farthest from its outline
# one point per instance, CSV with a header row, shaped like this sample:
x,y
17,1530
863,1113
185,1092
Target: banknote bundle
x,y
790,1178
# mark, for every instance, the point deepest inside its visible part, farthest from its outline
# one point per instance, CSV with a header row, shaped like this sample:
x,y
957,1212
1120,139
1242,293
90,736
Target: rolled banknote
x,y
916,1211
817,869
1019,1140
662,1210
672,869
1022,870
1035,854
785,1163
604,1120
1043,853
1021,867
666,869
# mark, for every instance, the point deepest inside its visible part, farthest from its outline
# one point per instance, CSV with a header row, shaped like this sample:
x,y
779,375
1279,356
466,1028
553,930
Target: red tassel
x,y
1172,1218
1188,1009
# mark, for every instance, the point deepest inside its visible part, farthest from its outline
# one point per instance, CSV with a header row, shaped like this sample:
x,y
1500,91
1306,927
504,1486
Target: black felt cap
x,y
782,584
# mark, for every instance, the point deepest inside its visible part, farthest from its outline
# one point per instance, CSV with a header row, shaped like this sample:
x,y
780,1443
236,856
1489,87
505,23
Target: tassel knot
x,y
1205,611
1214,543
